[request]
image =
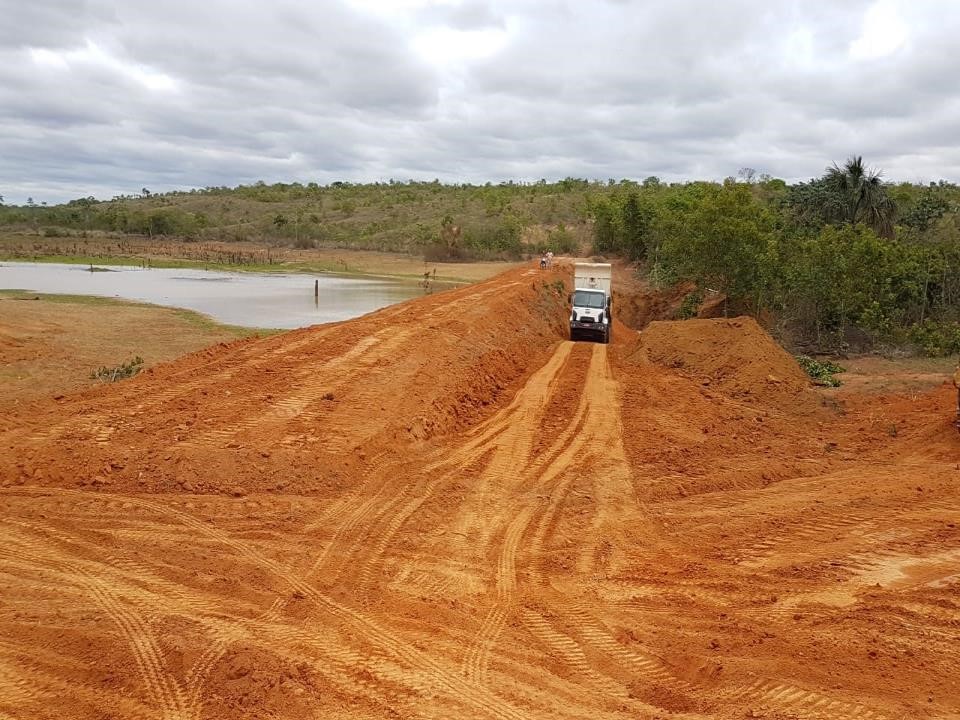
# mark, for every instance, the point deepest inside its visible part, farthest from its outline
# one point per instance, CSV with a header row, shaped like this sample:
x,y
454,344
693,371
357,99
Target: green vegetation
x,y
843,260
690,305
821,371
490,221
838,261
120,372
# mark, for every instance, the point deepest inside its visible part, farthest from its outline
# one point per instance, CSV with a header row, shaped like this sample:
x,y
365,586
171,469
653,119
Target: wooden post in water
x,y
316,292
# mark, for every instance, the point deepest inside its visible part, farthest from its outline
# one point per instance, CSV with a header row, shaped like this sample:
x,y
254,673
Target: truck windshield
x,y
586,299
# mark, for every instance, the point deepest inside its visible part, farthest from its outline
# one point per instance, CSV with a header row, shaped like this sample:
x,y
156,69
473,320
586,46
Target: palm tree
x,y
859,196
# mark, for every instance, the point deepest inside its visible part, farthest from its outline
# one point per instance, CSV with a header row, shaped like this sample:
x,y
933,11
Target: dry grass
x,y
50,344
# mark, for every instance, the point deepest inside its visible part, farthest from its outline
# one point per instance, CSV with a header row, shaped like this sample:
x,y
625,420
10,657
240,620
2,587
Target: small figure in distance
x,y
543,261
549,258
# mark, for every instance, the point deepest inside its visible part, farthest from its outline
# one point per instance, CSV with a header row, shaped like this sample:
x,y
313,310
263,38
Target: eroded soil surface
x,y
52,344
446,510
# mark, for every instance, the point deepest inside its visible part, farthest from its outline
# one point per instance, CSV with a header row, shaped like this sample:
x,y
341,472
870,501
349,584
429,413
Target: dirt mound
x,y
734,356
304,411
456,513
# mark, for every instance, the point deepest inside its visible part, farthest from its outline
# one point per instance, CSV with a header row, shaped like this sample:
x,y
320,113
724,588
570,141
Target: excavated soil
x,y
447,510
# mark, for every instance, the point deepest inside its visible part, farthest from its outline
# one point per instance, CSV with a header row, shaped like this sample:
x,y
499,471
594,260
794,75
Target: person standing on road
x,y
543,261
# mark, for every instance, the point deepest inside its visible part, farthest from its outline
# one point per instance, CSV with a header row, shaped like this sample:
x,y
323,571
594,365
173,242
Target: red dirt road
x,y
445,510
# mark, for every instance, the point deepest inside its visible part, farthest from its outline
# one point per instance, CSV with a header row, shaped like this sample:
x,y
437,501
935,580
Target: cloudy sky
x,y
103,97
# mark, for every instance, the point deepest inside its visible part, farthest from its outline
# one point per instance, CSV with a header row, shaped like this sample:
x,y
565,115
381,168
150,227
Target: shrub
x,y
560,240
936,339
124,370
492,240
821,371
690,305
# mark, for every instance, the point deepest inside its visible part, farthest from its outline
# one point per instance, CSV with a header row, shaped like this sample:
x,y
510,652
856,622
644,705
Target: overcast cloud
x,y
106,97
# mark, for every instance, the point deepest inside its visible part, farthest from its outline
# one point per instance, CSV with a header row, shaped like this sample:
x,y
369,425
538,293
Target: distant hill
x,y
465,221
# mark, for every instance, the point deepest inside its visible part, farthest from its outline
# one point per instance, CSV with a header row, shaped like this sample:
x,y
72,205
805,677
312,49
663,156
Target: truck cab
x,y
590,314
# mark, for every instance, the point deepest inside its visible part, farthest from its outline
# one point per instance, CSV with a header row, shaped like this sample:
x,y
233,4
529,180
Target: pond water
x,y
263,300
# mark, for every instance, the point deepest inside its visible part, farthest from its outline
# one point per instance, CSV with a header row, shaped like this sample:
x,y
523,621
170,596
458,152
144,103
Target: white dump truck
x,y
590,315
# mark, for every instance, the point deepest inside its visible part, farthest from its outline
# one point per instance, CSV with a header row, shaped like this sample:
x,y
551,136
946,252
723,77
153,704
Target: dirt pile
x,y
458,514
733,356
302,411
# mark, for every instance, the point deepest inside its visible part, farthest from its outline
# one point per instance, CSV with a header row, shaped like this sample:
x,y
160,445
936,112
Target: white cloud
x,y
443,45
91,55
884,32
103,97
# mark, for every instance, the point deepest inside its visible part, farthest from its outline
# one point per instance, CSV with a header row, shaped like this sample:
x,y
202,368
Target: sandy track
x,y
446,510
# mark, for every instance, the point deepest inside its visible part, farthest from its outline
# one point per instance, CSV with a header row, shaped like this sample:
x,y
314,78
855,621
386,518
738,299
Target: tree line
x,y
842,260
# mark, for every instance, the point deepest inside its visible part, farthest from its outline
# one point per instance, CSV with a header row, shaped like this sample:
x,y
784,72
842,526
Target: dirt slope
x,y
301,410
496,523
735,356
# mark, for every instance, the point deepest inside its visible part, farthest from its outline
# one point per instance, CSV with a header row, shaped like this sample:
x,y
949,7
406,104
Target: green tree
x,y
604,228
722,238
930,206
635,222
864,198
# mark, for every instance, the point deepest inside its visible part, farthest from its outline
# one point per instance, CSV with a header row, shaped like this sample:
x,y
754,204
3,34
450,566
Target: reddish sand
x,y
446,510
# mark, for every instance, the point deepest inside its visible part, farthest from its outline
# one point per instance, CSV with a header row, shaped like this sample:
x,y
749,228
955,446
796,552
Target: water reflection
x,y
264,300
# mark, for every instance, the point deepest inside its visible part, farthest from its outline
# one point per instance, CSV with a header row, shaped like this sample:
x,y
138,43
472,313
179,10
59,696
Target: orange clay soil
x,y
446,510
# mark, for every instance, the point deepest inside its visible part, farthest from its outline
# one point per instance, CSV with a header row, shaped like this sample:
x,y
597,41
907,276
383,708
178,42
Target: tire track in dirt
x,y
225,636
382,514
507,439
175,700
251,356
306,391
800,702
514,450
596,453
374,632
592,434
163,690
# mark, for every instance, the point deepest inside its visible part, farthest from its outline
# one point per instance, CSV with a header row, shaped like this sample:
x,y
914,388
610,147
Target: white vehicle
x,y
590,315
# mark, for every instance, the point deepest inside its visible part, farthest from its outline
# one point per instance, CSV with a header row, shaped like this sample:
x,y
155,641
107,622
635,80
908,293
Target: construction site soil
x,y
447,510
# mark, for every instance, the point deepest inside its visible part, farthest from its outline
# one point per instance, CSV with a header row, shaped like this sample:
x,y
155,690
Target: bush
x,y
936,339
124,370
561,241
441,252
690,305
494,240
821,371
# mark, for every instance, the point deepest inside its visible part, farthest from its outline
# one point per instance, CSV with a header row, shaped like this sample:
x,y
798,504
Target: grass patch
x,y
198,320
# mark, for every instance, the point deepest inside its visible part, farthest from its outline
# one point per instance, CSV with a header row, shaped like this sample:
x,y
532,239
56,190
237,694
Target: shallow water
x,y
264,300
